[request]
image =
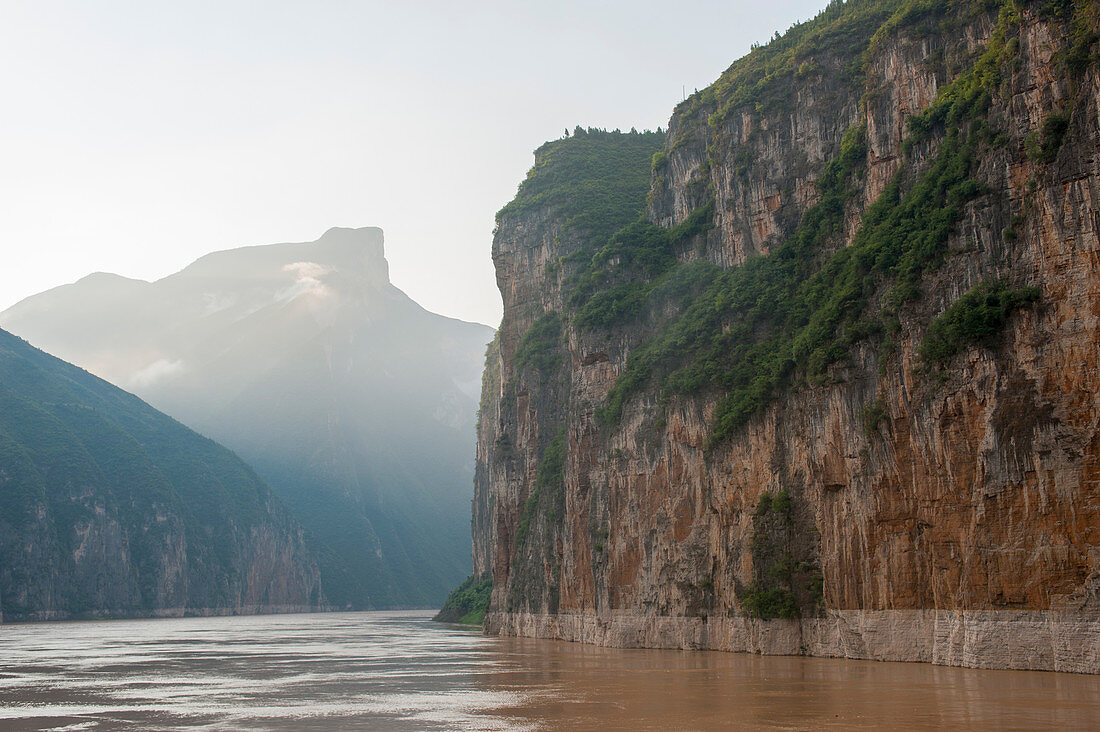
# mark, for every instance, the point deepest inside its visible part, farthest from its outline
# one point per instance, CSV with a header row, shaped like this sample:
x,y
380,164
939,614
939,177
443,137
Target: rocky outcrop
x,y
109,508
936,508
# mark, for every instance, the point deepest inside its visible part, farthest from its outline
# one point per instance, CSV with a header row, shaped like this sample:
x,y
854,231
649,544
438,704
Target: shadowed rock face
x,y
109,508
947,517
353,402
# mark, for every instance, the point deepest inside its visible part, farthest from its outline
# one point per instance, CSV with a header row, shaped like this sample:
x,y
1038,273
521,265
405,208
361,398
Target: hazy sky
x,y
137,136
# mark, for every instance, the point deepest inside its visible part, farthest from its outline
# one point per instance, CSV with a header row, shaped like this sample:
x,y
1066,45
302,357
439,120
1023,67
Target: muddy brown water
x,y
400,671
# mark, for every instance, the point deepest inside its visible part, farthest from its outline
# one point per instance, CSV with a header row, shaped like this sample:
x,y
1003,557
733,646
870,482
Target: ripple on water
x,y
401,671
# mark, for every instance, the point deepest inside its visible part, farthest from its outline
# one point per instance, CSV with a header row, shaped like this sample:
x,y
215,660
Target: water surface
x,y
400,671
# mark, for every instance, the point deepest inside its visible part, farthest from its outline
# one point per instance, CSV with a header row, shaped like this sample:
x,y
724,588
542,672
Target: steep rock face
x,y
330,381
935,508
112,509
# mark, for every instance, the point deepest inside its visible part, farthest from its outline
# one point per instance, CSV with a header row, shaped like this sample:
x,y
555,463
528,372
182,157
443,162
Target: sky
x,y
137,136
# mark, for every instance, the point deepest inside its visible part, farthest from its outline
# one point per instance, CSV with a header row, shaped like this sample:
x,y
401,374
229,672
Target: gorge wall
x,y
835,393
110,509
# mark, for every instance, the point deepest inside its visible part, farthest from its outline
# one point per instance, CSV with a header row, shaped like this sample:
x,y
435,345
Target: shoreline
x,y
1023,640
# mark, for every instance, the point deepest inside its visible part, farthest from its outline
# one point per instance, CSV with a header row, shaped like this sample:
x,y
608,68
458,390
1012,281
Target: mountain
x,y
109,508
835,390
356,405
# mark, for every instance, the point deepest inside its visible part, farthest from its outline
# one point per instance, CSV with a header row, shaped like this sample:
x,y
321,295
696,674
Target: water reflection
x,y
400,671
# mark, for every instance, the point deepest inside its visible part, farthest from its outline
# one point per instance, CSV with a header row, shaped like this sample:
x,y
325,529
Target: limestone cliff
x,y
836,392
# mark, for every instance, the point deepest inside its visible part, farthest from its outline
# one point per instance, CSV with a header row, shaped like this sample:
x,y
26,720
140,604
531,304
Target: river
x,y
400,671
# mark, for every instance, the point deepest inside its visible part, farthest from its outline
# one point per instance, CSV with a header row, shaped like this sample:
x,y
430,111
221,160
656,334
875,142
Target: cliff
x,y
835,392
109,508
327,379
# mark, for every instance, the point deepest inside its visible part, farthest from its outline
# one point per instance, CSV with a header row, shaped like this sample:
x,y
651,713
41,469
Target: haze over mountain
x,y
352,401
110,508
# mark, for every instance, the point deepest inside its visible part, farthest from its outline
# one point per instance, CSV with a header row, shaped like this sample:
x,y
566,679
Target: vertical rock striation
x,y
897,456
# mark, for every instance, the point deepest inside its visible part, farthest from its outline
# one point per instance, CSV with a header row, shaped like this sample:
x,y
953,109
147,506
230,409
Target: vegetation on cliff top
x,y
468,603
595,181
748,332
761,81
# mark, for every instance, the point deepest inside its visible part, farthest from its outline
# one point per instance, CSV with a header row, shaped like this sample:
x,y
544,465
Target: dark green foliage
x,y
541,347
1055,9
529,508
872,415
768,604
468,603
782,587
504,447
621,277
781,504
975,318
551,473
1078,49
1043,145
595,181
549,494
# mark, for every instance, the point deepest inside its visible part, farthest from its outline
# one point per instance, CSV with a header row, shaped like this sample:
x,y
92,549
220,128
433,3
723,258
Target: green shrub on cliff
x,y
1043,144
621,278
549,493
551,473
786,581
769,604
540,348
468,603
976,317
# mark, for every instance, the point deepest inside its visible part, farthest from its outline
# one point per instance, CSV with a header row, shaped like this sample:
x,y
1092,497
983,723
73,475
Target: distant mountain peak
x,y
108,277
354,402
347,236
353,251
